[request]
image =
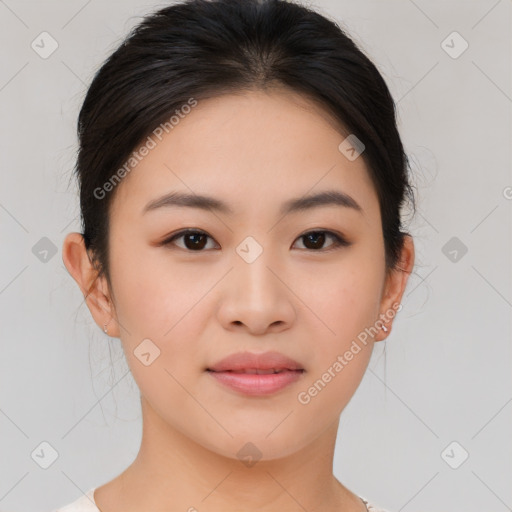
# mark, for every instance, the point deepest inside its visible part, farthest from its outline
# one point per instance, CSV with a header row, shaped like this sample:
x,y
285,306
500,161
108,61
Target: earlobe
x,y
94,288
396,283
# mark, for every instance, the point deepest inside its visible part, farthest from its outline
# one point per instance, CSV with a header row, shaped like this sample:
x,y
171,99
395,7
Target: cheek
x,y
327,391
157,299
157,305
152,294
343,344
344,298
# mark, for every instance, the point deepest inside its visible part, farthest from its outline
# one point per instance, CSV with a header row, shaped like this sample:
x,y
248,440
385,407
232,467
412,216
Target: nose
x,y
255,297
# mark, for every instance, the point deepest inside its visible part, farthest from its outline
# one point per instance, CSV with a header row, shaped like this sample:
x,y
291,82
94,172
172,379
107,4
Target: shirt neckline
x,y
90,495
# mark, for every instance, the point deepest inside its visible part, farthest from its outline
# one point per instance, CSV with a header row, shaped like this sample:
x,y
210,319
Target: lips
x,y
262,363
258,371
253,374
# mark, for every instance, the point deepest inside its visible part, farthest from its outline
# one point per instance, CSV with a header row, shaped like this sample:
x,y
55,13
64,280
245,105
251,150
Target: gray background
x,y
443,376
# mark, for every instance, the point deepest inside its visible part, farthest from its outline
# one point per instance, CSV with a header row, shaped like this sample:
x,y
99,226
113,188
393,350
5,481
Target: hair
x,y
206,48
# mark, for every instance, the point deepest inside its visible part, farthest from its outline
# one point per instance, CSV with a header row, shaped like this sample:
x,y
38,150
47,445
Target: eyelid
x,y
182,232
340,240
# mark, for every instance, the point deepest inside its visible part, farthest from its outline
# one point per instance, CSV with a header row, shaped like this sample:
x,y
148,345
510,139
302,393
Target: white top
x,y
86,503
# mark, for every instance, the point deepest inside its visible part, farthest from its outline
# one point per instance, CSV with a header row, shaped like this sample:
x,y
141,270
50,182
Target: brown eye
x,y
315,240
193,240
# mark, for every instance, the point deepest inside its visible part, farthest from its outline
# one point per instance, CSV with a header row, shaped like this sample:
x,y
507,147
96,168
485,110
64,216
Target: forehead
x,y
250,150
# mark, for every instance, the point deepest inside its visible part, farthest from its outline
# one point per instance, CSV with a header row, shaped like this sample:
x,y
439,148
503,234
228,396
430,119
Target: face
x,y
254,277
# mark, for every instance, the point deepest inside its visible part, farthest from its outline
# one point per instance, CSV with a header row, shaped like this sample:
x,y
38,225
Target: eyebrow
x,y
325,198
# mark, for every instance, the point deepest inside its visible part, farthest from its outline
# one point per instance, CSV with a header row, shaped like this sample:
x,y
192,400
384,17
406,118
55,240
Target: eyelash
x,y
339,241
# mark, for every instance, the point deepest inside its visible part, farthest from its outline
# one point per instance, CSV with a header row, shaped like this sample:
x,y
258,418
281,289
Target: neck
x,y
172,472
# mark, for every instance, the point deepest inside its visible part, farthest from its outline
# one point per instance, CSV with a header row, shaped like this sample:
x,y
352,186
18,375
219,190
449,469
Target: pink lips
x,y
256,374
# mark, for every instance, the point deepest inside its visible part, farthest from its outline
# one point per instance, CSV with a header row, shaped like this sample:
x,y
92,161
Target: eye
x,y
196,240
316,239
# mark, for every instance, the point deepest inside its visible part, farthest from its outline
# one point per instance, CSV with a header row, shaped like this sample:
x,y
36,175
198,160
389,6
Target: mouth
x,y
256,374
258,371
252,362
256,381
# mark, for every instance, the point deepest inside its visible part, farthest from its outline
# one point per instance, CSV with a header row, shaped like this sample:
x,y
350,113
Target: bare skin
x,y
253,151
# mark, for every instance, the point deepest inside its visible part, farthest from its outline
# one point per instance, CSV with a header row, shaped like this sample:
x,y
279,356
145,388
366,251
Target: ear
x,y
94,288
394,288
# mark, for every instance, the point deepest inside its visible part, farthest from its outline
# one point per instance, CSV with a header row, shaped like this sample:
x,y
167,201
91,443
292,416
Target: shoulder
x,y
371,507
84,503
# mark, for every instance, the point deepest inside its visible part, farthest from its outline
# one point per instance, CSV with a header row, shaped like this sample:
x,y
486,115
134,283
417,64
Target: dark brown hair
x,y
203,48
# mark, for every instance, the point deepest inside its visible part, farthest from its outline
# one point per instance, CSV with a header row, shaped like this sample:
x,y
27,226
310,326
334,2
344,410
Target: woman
x,y
241,179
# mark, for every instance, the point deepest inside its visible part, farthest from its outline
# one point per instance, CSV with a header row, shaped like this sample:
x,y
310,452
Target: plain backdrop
x,y
429,427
